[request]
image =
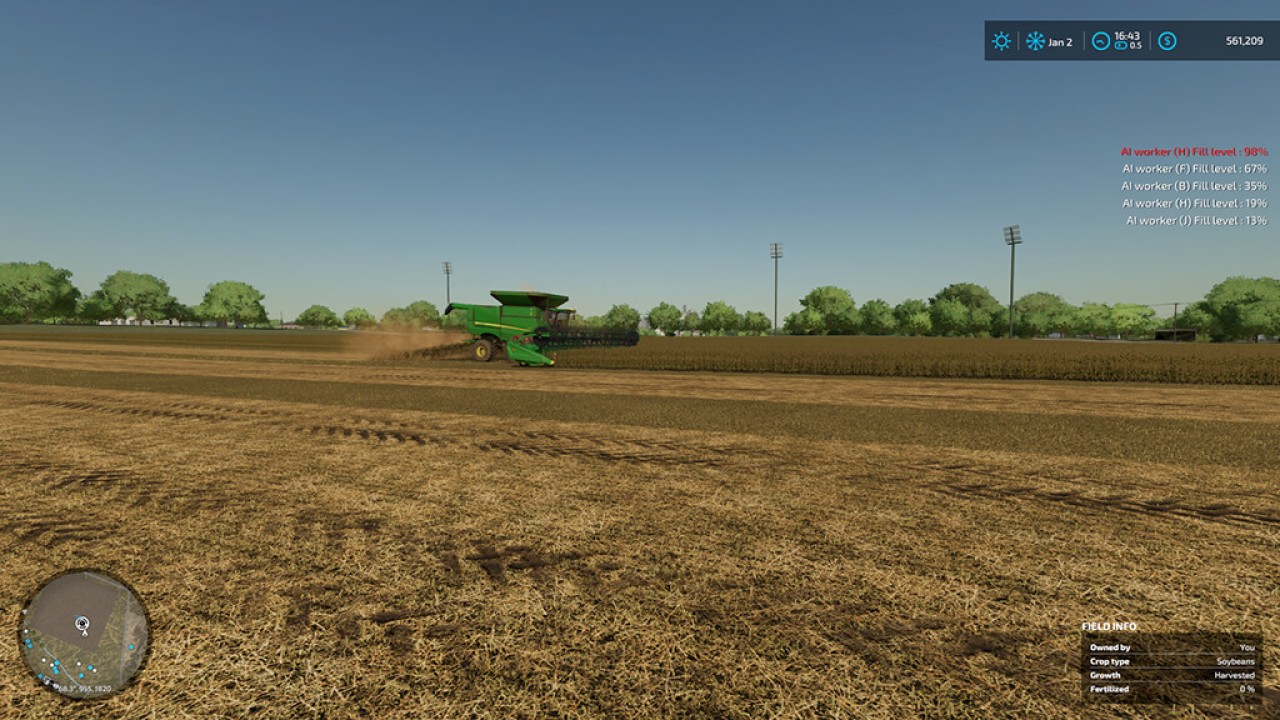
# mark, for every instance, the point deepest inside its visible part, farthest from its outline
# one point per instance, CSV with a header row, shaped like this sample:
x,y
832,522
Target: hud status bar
x,y
1132,40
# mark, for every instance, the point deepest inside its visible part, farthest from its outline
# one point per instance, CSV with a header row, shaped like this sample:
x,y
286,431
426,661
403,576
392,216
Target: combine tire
x,y
482,350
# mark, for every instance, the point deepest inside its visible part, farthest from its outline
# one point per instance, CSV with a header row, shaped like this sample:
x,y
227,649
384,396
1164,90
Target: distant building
x,y
1177,334
133,321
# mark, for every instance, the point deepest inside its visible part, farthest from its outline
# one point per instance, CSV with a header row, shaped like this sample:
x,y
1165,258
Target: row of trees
x,y
965,310
1238,307
414,316
39,292
1235,308
718,318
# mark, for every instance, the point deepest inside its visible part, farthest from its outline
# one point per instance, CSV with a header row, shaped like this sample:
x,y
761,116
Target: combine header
x,y
527,324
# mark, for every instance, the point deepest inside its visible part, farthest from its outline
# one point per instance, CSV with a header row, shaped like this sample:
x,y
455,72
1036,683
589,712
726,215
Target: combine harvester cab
x,y
527,324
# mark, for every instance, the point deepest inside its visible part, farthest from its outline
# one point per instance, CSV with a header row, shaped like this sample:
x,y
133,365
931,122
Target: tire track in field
x,y
109,484
532,443
53,529
977,480
543,443
180,411
630,450
127,490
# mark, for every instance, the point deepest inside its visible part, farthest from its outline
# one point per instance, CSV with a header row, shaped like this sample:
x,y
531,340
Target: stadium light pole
x,y
448,270
775,252
1012,238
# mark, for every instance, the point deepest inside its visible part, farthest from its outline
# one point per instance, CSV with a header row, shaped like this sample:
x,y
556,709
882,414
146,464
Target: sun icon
x,y
1001,41
1035,41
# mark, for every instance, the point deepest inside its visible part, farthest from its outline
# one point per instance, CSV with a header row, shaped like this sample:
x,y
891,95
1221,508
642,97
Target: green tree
x,y
877,318
318,316
756,323
982,308
949,317
590,322
416,315
997,323
666,318
1133,320
397,318
1271,326
1042,313
145,296
912,317
1197,317
1243,307
30,292
836,308
94,308
358,317
180,312
622,317
806,321
719,318
970,295
232,302
424,314
690,322
1269,322
1093,319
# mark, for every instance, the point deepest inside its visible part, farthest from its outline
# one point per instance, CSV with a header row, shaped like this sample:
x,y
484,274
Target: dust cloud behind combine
x,y
382,345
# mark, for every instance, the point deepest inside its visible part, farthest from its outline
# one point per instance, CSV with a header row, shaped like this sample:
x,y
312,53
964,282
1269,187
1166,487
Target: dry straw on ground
x,y
318,537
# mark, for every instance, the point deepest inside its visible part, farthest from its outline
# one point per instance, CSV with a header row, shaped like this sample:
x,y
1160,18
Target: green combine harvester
x,y
527,324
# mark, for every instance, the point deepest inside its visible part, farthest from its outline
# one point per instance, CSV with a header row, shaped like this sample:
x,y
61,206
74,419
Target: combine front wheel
x,y
482,350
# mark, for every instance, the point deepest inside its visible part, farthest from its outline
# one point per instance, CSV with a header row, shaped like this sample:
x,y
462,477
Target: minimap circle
x,y
84,634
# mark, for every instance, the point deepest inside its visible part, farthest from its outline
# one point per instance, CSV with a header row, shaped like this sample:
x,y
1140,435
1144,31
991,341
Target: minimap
x,y
84,634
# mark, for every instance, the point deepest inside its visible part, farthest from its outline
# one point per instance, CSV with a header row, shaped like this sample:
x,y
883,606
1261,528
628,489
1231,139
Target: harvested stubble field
x,y
321,536
1242,364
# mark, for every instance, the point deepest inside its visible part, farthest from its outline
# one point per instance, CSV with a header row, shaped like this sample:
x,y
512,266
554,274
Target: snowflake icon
x,y
1035,41
1001,41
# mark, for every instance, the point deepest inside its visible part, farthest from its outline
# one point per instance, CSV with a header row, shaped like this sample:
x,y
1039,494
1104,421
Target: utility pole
x,y
1012,238
1175,305
448,270
775,252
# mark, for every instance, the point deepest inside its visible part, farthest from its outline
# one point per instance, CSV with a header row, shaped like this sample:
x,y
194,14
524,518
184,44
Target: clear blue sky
x,y
631,151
